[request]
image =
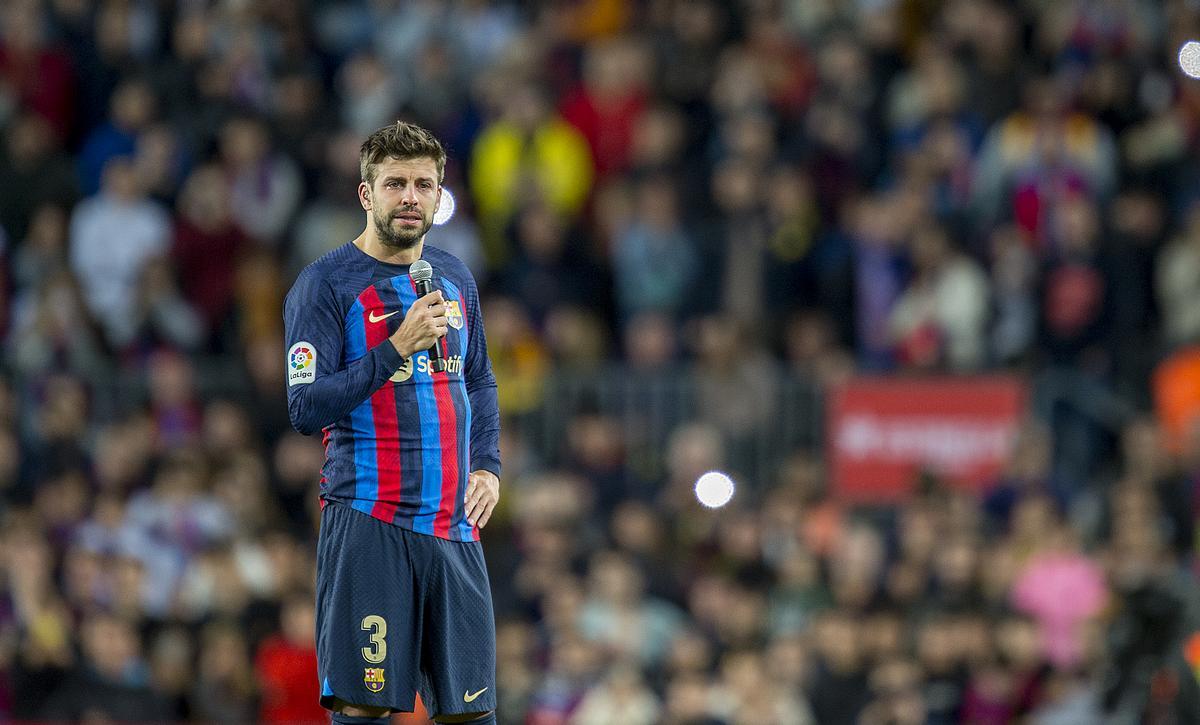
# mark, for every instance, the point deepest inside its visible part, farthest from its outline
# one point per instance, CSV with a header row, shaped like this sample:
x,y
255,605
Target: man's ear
x,y
364,195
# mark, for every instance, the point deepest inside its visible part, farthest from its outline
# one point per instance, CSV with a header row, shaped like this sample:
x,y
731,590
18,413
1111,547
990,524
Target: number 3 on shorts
x,y
377,652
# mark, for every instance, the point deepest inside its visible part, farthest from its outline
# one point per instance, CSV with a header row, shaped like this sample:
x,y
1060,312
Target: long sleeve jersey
x,y
400,440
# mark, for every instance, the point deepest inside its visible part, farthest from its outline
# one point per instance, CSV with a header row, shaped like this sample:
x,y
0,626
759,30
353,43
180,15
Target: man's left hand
x,y
483,491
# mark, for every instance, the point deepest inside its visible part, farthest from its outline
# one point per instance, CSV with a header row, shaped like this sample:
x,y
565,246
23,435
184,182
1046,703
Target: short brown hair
x,y
403,141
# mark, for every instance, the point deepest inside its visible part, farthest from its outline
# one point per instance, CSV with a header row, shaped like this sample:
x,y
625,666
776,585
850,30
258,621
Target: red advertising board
x,y
882,432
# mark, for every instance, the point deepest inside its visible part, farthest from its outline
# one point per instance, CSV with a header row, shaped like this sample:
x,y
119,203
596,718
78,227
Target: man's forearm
x,y
485,426
330,398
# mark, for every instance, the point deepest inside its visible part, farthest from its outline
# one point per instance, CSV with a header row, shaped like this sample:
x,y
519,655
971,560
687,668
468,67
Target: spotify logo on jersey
x,y
454,365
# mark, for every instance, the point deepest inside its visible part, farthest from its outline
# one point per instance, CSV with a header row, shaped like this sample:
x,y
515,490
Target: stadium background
x,y
693,222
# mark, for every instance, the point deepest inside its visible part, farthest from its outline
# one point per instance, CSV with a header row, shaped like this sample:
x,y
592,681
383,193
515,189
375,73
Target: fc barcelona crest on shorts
x,y
454,314
374,679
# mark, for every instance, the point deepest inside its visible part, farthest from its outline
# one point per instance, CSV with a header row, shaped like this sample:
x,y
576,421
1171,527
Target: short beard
x,y
404,239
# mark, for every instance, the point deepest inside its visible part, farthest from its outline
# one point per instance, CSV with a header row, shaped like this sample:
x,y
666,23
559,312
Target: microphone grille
x,y
420,271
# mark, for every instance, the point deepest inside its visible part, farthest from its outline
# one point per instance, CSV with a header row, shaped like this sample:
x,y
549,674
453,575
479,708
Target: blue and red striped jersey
x,y
400,440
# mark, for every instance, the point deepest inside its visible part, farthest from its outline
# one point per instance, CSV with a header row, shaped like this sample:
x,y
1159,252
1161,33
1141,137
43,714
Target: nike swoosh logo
x,y
380,318
471,698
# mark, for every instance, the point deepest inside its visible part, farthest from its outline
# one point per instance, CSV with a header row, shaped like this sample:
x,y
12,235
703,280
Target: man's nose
x,y
409,195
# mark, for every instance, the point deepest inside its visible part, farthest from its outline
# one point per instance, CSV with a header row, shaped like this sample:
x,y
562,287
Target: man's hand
x,y
423,324
483,491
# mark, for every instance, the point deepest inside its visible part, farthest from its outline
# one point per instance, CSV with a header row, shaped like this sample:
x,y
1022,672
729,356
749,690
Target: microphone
x,y
422,277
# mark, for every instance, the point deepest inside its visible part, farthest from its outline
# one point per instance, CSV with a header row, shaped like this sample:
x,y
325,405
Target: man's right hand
x,y
423,324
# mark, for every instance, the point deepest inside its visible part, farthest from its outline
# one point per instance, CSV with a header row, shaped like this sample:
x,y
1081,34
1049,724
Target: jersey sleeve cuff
x,y
486,464
389,356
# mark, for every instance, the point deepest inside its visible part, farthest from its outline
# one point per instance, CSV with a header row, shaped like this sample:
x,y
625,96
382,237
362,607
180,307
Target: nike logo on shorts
x,y
467,697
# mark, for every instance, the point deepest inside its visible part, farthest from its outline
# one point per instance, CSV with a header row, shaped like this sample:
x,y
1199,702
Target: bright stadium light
x,y
714,489
1189,58
445,209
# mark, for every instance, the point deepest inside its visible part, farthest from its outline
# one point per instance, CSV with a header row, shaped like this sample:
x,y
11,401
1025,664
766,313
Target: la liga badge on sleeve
x,y
301,363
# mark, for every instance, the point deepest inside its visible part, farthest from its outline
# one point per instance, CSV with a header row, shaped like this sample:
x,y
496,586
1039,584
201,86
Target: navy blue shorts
x,y
400,612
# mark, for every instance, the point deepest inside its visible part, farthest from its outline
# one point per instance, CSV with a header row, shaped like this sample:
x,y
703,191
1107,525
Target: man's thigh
x,y
458,651
369,626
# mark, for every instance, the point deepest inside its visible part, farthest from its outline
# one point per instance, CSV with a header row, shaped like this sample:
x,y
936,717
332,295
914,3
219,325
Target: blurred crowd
x,y
732,195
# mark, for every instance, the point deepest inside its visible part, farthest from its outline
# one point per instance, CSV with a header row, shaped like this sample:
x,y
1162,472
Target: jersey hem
x,y
361,506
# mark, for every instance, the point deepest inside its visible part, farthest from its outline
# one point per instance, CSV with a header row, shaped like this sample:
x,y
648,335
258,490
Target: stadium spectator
x,y
286,667
225,688
112,679
527,154
38,76
939,318
608,103
44,334
654,256
331,215
131,113
114,236
549,267
162,317
36,171
1178,282
265,186
207,245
